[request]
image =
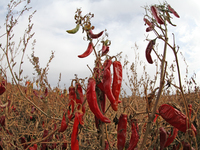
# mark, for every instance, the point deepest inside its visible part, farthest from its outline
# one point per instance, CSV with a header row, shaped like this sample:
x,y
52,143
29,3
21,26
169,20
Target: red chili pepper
x,y
173,11
79,96
88,51
151,25
156,15
23,140
163,138
107,79
106,145
171,138
175,118
95,36
34,147
63,124
156,116
64,146
2,86
44,145
117,79
46,92
92,101
149,29
148,51
134,136
78,120
121,131
2,120
186,146
71,101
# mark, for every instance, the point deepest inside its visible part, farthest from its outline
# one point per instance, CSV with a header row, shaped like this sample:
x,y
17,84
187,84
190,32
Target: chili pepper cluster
x,y
159,14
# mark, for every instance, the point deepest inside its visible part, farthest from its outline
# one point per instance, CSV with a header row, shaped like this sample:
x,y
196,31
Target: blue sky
x,y
124,23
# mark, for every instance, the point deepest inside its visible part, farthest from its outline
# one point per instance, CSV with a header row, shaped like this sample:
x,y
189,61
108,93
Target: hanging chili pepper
x,y
77,121
88,51
175,118
73,31
134,135
95,36
71,100
121,131
63,124
173,11
117,79
156,15
79,96
151,25
2,86
92,100
148,51
163,138
107,79
171,138
149,29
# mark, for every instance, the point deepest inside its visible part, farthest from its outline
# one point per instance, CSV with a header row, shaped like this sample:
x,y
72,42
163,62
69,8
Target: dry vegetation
x,y
28,115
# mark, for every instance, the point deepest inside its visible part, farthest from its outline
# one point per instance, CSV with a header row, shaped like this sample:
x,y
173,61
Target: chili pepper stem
x,y
181,89
163,71
102,135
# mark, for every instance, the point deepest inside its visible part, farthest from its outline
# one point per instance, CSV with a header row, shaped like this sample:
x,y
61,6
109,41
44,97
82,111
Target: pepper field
x,y
32,118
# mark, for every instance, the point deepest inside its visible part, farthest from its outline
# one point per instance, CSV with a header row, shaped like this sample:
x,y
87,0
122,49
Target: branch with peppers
x,y
159,18
101,85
